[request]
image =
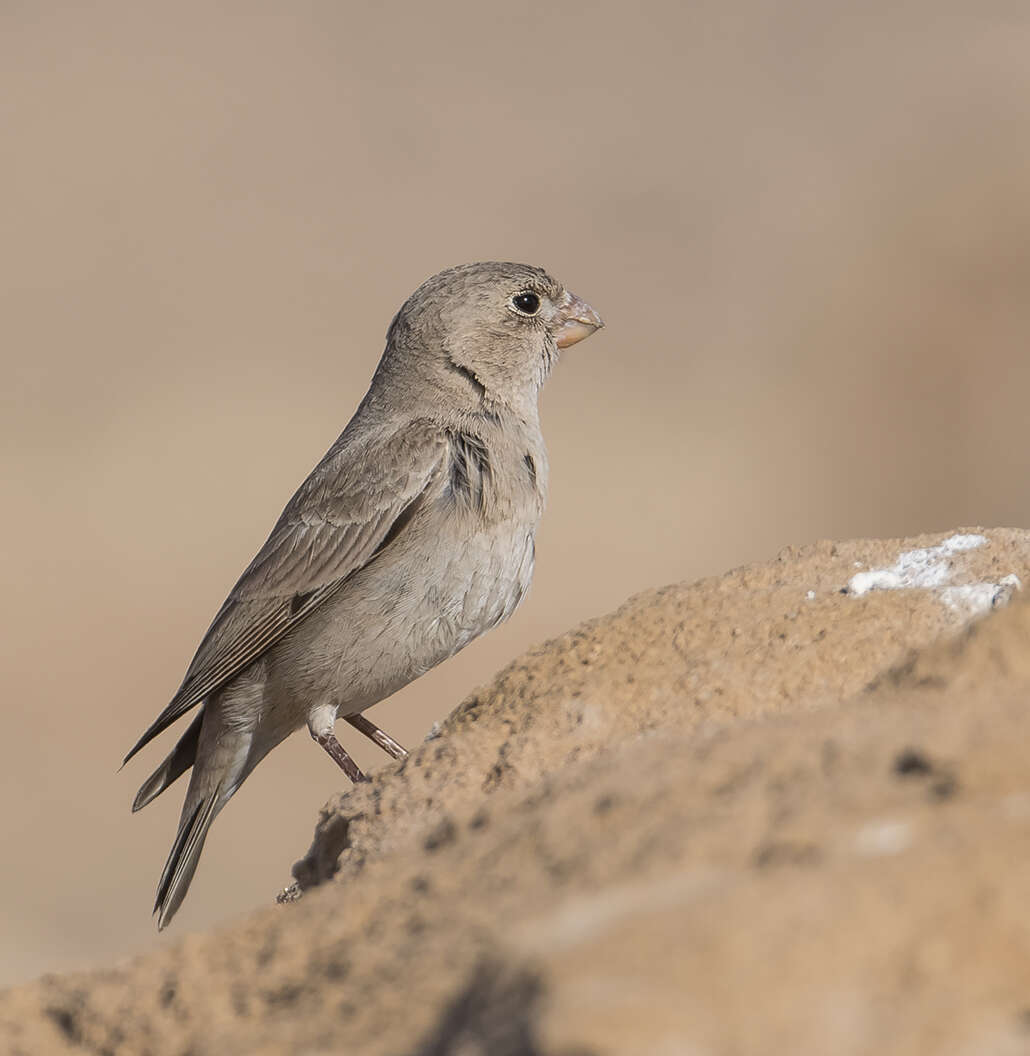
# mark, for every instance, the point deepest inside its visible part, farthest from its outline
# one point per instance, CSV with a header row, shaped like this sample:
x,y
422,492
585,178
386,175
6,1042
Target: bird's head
x,y
488,333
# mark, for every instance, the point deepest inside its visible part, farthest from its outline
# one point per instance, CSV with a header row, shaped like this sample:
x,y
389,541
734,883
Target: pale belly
x,y
394,620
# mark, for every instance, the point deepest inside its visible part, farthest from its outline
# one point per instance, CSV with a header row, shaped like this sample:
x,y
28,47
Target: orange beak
x,y
579,321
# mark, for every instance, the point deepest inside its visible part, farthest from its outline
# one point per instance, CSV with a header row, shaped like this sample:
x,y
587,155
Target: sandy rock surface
x,y
785,810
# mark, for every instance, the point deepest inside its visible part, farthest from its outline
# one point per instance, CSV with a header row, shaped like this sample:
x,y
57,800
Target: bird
x,y
413,535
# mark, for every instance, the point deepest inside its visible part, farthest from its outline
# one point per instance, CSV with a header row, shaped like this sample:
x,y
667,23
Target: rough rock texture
x,y
769,812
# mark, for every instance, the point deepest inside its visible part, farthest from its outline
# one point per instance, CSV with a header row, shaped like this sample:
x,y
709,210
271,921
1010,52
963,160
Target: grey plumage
x,y
412,536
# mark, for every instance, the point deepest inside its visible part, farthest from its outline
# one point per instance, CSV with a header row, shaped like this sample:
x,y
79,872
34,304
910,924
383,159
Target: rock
x,y
785,810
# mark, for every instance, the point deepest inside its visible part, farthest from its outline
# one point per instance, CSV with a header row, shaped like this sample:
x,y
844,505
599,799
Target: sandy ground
x,y
784,810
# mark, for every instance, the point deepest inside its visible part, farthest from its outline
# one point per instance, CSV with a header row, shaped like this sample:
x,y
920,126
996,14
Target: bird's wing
x,y
355,502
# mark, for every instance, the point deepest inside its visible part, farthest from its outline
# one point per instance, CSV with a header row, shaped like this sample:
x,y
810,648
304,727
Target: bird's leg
x,y
320,724
378,736
338,753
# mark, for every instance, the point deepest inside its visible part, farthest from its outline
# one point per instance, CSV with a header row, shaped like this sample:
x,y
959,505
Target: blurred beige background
x,y
807,225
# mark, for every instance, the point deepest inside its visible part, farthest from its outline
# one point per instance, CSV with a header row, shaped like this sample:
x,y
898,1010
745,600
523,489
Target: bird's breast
x,y
459,567
496,479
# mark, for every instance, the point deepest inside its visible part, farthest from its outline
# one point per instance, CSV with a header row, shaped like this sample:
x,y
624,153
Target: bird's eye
x,y
526,303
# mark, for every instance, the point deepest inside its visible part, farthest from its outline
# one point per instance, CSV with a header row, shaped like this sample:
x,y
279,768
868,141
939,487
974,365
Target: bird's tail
x,y
182,757
221,758
182,860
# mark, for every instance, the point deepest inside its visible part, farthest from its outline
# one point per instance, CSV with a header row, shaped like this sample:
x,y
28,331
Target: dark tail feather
x,y
185,853
181,759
